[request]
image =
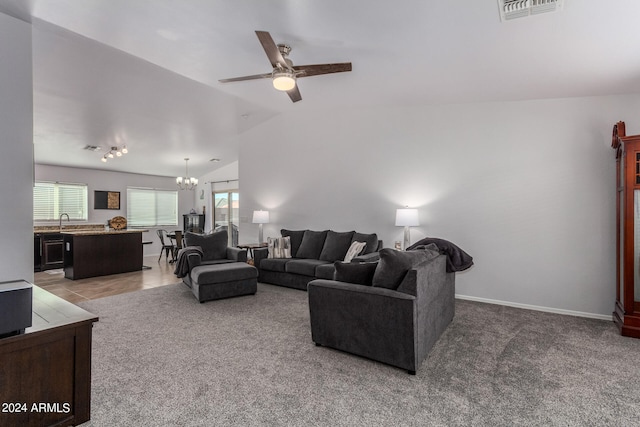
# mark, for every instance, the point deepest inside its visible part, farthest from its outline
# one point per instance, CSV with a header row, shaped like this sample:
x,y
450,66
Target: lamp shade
x,y
261,217
407,217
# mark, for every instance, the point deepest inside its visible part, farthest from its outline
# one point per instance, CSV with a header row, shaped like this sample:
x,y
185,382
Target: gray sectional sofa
x,y
393,312
313,254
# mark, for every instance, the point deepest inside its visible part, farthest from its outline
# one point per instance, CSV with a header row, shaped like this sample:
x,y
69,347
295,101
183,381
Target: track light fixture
x,y
115,151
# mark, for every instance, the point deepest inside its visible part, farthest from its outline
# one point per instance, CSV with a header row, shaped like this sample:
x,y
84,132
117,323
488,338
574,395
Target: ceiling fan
x,y
284,73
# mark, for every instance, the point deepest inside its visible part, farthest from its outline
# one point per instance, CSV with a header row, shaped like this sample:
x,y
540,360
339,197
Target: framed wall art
x,y
106,200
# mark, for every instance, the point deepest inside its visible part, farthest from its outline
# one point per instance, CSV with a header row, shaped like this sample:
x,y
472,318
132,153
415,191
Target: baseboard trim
x,y
537,308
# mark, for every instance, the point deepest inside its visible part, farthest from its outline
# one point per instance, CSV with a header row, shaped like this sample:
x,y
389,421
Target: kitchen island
x,y
91,253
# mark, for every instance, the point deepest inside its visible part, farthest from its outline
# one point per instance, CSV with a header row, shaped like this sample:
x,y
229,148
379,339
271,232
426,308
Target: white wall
x,y
116,181
16,140
526,188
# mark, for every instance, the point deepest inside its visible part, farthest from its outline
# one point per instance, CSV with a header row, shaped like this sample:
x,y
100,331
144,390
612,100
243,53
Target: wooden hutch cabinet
x,y
193,223
627,308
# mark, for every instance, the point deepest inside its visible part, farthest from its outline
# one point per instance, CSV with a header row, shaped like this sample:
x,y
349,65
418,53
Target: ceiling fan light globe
x,y
284,81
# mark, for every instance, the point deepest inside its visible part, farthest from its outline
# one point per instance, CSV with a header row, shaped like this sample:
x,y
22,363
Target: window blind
x,y
51,199
152,208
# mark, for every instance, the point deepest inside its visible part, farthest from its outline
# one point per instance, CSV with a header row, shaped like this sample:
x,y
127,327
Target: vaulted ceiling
x,y
145,72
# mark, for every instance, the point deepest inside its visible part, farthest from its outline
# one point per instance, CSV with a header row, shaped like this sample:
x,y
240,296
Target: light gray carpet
x,y
162,359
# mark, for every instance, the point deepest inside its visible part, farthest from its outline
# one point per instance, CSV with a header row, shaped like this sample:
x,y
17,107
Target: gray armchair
x,y
214,249
394,326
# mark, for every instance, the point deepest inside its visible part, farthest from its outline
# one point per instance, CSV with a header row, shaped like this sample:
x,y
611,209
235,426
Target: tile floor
x,y
160,274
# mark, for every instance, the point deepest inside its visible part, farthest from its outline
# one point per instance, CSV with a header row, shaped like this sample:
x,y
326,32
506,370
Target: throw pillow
x,y
296,239
355,249
214,245
358,273
370,239
336,246
393,266
311,245
279,247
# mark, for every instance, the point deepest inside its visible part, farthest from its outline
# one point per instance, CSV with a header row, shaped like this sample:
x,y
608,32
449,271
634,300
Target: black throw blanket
x,y
457,259
182,264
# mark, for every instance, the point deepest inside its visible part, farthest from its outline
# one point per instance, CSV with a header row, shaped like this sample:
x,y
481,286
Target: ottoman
x,y
216,281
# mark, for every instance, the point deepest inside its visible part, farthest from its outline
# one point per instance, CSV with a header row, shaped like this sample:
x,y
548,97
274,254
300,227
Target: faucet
x,y
68,220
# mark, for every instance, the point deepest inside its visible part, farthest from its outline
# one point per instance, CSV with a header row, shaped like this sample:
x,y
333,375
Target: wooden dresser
x,y
45,373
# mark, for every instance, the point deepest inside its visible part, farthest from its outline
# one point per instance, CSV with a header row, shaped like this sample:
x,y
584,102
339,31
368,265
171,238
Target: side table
x,y
251,246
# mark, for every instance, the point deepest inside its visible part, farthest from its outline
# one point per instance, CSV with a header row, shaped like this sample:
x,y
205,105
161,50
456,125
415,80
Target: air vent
x,y
92,148
512,9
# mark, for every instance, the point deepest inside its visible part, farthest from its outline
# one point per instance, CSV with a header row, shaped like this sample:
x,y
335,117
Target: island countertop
x,y
56,229
101,232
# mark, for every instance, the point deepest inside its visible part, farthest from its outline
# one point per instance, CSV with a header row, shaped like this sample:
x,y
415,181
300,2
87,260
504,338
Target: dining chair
x,y
178,244
167,245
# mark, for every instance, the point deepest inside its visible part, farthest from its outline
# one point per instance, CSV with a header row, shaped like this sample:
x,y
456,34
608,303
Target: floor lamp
x,y
260,217
407,218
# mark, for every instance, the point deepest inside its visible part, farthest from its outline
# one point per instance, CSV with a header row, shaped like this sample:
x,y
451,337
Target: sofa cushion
x,y
279,247
274,264
306,267
295,237
394,264
370,239
214,245
217,261
358,273
336,246
325,271
355,249
311,245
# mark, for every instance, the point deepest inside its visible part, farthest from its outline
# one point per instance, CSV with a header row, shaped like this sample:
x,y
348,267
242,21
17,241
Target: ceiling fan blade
x,y
294,94
239,79
270,48
318,69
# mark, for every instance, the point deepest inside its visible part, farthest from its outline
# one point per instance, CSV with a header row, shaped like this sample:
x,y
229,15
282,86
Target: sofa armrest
x,y
377,323
435,301
352,290
372,257
193,260
236,254
258,255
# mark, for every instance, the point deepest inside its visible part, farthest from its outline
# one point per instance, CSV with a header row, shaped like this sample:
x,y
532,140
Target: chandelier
x,y
186,182
114,152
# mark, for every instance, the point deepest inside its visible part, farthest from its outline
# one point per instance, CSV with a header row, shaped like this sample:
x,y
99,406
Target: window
x,y
226,213
51,199
147,207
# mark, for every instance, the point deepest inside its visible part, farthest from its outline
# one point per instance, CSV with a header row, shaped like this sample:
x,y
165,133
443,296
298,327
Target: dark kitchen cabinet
x,y
50,253
37,252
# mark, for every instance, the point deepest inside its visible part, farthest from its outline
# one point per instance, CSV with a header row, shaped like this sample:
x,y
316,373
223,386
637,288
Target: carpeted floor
x,y
162,359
